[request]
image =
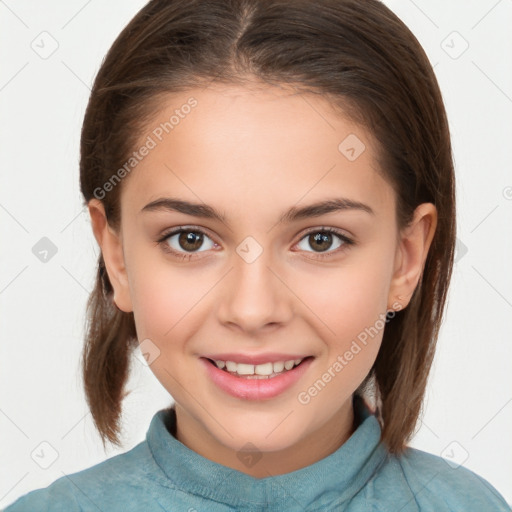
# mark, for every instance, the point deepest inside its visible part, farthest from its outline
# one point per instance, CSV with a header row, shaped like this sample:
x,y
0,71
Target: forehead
x,y
254,147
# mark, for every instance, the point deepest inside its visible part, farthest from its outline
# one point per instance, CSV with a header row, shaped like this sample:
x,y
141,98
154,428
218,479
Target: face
x,y
267,279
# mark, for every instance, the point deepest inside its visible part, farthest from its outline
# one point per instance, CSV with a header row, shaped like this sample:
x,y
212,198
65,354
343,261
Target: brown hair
x,y
357,54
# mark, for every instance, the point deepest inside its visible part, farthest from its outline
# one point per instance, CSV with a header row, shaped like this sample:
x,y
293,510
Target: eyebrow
x,y
293,214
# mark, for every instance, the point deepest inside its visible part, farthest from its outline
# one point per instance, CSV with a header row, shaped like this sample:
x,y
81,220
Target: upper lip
x,y
269,357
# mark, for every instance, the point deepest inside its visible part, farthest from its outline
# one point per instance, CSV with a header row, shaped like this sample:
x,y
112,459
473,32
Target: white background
x,y
468,408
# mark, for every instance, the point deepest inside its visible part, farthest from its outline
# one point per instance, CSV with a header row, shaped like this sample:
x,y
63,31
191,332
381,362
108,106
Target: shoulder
x,y
429,482
57,497
117,481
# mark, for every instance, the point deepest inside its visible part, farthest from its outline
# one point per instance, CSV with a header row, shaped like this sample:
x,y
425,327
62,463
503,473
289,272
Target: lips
x,y
255,387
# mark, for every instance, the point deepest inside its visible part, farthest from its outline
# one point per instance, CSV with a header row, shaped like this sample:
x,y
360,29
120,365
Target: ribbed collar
x,y
344,472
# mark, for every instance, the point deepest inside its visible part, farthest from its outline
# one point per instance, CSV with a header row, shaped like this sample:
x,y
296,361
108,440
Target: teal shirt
x,y
162,474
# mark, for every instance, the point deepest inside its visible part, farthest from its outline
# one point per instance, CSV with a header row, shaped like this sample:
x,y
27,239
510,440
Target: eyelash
x,y
193,229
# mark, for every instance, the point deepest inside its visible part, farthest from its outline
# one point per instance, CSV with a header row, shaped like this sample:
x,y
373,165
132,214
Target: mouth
x,y
261,381
268,370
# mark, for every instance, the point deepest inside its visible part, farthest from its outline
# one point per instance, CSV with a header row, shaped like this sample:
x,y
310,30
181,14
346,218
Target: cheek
x,y
345,300
167,309
159,296
349,309
167,300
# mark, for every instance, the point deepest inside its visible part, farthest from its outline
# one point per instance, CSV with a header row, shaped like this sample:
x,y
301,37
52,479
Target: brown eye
x,y
183,241
325,240
320,241
190,240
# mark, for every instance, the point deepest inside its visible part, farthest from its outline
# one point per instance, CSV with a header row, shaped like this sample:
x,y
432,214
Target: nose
x,y
254,296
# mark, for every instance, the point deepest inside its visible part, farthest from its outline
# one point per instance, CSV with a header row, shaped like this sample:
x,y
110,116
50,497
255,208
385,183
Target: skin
x,y
252,153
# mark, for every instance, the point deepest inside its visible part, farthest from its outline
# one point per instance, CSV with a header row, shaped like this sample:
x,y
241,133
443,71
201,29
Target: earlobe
x,y
411,254
110,243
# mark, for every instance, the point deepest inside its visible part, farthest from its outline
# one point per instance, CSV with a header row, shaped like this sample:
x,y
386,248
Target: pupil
x,y
318,238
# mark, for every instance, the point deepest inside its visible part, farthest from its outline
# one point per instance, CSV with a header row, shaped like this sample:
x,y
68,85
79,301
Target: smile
x,y
261,381
259,371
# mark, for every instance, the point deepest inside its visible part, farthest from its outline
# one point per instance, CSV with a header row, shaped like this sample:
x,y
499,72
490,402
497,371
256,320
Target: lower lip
x,y
255,389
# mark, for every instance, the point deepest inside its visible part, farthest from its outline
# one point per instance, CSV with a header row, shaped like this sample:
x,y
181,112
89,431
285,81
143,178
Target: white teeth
x,y
231,366
289,364
278,367
244,369
263,370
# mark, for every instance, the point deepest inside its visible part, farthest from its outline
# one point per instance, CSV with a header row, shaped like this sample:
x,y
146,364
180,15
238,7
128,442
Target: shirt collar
x,y
343,472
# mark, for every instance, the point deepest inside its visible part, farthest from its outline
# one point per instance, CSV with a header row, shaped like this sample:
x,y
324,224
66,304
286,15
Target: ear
x,y
411,254
111,246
